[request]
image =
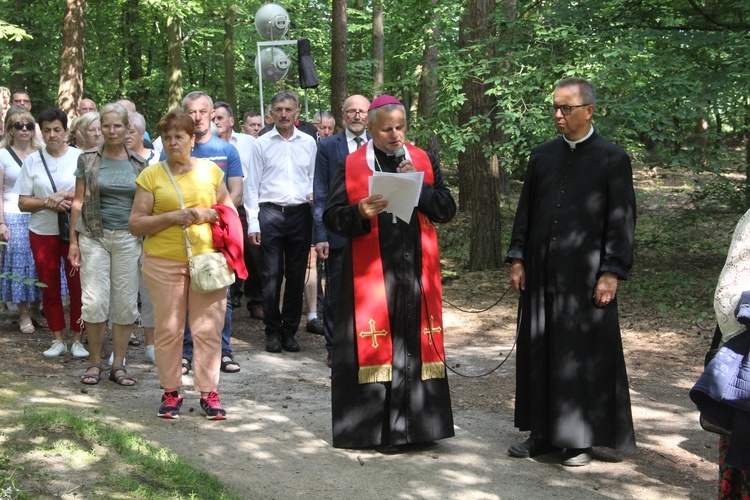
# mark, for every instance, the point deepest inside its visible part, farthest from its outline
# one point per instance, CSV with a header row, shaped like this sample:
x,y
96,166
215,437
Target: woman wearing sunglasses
x,y
18,142
45,187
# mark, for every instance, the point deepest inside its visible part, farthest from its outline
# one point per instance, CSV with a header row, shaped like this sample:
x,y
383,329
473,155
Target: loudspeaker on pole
x,y
308,75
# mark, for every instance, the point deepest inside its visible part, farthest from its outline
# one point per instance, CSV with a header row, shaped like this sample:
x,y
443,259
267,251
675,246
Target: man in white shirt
x,y
224,121
252,122
278,196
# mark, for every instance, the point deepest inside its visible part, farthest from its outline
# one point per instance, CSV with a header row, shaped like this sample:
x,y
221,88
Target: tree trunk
x,y
16,58
72,58
174,56
479,177
338,59
429,77
133,51
378,43
229,94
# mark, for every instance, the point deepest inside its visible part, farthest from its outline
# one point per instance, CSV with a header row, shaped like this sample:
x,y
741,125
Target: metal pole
x,y
260,86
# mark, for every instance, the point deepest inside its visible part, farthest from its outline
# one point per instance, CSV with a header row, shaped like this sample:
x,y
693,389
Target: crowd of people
x,y
86,201
84,205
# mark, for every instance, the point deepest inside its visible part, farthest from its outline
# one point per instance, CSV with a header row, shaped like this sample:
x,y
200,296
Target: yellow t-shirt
x,y
198,189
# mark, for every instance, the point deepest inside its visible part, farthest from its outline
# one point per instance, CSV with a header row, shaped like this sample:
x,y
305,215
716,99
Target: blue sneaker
x,y
212,407
170,405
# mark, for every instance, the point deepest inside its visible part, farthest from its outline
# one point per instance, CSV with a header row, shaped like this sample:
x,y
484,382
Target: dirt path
x,y
276,442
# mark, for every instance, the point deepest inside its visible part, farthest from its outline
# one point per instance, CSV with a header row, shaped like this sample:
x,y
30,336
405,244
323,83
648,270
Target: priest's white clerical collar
x,y
372,160
573,144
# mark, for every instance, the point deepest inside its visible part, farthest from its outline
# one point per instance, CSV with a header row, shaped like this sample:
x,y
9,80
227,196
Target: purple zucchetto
x,y
383,100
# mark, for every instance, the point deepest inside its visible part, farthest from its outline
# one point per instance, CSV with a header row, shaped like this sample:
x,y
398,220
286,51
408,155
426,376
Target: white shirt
x,y
244,145
281,172
351,142
11,169
158,146
33,181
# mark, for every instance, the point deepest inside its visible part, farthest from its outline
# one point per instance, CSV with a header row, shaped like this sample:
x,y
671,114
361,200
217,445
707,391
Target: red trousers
x,y
47,251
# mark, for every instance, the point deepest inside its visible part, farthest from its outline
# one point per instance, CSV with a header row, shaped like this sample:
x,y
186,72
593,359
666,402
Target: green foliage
x,y
655,82
16,277
659,66
9,489
12,32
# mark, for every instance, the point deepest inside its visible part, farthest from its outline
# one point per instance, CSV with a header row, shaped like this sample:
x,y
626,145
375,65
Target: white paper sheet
x,y
400,190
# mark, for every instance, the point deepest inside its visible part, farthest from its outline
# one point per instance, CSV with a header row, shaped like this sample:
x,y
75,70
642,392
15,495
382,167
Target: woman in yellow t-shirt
x,y
157,215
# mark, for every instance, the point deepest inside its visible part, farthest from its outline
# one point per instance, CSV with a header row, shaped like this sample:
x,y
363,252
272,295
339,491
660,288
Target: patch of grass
x,y
55,446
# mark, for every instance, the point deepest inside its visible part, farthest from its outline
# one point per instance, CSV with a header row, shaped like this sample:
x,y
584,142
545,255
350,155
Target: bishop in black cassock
x,y
405,399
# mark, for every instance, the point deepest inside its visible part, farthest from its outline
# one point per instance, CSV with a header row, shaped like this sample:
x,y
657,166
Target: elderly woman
x,y
101,244
86,131
18,143
134,141
731,304
45,188
158,215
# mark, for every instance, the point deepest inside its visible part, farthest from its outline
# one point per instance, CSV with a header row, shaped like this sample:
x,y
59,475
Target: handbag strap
x,y
182,206
15,156
51,180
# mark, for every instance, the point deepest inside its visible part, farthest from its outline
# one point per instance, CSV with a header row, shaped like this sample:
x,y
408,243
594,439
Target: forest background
x,y
477,76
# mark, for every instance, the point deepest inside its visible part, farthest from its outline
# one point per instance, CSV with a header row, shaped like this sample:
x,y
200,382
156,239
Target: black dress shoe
x,y
289,344
532,447
273,344
255,310
576,457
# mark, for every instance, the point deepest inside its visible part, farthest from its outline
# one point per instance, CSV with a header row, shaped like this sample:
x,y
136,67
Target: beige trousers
x,y
168,283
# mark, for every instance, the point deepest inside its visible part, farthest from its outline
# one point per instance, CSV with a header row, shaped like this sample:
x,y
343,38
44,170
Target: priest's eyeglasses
x,y
566,110
354,112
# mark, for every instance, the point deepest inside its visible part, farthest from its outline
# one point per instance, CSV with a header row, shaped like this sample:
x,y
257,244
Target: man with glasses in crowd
x,y
572,242
331,153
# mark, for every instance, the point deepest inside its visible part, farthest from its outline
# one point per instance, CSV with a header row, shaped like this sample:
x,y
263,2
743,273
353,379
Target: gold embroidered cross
x,y
373,333
432,329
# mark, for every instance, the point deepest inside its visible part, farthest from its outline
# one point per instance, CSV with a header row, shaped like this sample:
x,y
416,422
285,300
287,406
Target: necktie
x,y
359,141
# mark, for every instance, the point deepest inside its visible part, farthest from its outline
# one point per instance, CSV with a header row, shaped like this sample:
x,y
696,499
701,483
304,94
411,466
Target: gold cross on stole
x,y
432,329
373,333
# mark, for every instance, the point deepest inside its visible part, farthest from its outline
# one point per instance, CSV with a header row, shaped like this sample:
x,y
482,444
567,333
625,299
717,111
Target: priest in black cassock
x,y
388,380
572,242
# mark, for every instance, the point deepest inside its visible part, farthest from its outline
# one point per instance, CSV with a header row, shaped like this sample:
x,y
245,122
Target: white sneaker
x,y
149,353
78,351
58,349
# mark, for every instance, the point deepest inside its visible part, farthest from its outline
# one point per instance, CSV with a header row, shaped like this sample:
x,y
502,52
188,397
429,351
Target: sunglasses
x,y
21,126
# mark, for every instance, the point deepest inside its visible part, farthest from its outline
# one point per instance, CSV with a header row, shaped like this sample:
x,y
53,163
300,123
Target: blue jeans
x,y
226,335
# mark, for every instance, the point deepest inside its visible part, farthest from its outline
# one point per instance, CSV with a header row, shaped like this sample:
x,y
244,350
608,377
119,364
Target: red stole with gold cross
x,y
371,321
